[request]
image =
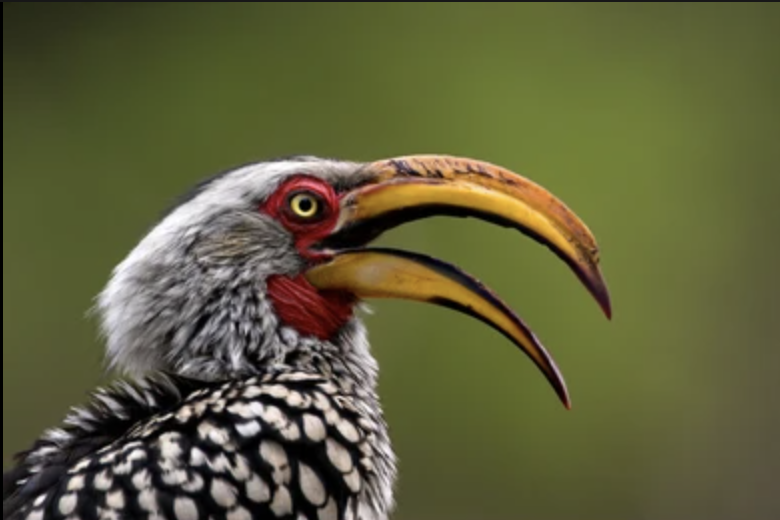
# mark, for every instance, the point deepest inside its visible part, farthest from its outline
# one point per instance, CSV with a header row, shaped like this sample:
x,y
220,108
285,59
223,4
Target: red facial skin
x,y
298,303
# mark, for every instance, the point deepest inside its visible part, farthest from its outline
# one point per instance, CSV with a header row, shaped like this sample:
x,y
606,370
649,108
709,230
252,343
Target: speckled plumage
x,y
283,445
225,412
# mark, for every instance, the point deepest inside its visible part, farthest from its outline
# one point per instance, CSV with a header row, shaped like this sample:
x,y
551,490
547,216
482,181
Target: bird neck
x,y
345,359
181,311
224,331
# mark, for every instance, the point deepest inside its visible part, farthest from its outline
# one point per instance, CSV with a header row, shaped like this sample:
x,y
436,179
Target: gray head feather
x,y
190,298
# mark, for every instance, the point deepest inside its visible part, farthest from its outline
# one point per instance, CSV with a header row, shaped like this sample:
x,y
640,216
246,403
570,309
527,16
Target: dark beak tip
x,y
605,301
606,306
597,286
563,395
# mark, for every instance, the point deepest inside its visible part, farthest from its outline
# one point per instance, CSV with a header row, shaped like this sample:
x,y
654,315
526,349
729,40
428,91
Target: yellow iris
x,y
304,205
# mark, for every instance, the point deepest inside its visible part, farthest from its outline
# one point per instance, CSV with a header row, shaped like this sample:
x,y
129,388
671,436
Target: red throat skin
x,y
311,312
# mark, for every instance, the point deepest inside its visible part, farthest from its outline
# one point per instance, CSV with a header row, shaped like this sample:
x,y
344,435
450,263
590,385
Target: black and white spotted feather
x,y
289,445
106,418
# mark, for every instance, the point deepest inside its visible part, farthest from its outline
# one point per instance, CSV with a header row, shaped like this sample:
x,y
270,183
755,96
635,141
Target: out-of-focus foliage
x,y
658,123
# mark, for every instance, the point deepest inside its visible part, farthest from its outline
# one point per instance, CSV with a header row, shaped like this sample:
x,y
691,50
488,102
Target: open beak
x,y
410,188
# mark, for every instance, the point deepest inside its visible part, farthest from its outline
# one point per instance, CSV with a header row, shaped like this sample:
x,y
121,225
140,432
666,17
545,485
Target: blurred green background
x,y
659,124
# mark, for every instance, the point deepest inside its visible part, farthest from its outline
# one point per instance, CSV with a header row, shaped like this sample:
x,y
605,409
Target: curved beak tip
x,y
605,301
563,395
608,311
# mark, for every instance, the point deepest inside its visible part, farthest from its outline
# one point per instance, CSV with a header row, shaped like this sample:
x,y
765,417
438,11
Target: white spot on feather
x,y
116,500
185,509
348,430
76,483
68,503
248,429
148,501
314,427
197,457
353,481
312,486
223,493
142,480
239,513
282,502
257,490
103,481
274,453
329,512
339,456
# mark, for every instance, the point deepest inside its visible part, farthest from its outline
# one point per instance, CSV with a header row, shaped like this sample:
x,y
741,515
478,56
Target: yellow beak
x,y
410,188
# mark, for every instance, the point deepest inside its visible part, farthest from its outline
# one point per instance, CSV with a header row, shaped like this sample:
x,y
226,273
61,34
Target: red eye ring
x,y
308,207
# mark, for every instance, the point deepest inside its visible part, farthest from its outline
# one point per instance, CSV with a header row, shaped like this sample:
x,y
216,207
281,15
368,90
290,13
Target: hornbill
x,y
249,388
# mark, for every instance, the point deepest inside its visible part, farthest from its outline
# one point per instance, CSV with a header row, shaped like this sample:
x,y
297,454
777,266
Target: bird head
x,y
270,261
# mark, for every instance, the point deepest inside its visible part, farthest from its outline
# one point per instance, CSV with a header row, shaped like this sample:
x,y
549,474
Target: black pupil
x,y
306,204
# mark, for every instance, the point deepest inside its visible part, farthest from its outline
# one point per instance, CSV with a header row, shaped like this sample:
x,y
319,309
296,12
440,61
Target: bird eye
x,y
305,205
